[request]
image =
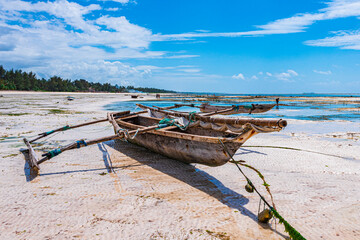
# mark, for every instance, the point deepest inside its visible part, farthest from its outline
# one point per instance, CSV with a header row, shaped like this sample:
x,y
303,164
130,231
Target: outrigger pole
x,y
33,159
120,134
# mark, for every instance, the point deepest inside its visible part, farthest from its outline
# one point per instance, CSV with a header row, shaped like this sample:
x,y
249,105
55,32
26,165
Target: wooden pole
x,y
229,120
95,141
32,156
175,106
113,122
117,115
218,112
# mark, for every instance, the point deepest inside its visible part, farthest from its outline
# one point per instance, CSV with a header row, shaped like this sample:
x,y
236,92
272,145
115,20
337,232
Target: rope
x,y
82,141
293,233
48,133
237,163
134,134
126,133
288,228
52,131
165,122
52,153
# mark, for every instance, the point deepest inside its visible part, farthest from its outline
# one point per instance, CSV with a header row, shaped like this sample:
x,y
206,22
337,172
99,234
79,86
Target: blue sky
x,y
258,46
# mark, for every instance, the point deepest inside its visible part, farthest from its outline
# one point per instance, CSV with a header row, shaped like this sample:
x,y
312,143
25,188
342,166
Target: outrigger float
x,y
186,137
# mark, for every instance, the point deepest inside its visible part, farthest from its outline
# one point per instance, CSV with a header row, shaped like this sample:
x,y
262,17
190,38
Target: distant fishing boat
x,y
69,98
253,108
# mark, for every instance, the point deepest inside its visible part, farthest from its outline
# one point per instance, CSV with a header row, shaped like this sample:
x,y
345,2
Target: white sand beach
x,y
122,191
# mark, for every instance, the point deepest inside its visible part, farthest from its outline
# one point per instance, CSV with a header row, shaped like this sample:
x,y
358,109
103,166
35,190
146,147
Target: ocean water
x,y
287,110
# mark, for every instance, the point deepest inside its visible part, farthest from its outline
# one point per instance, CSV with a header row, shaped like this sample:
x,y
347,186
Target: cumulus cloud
x,y
239,76
113,71
58,38
323,72
285,76
254,77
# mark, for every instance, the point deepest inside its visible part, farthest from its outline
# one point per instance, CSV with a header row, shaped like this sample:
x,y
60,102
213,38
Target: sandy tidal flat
x,y
115,190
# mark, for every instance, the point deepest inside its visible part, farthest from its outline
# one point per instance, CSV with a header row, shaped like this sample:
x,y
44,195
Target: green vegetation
x,y
19,80
58,111
10,155
14,114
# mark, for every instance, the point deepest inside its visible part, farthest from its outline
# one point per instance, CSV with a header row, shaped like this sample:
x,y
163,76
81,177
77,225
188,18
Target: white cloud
x,y
293,24
323,72
292,72
181,56
190,70
119,1
297,23
342,39
57,38
285,76
239,76
114,72
254,77
60,34
112,9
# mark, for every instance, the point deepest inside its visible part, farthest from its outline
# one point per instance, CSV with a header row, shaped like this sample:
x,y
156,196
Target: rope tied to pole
x,y
52,153
126,134
52,131
48,133
82,141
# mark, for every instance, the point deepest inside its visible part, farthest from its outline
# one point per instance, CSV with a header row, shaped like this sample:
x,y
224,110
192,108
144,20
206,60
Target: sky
x,y
258,46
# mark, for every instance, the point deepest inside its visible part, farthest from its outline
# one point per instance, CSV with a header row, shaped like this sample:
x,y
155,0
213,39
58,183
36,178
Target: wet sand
x,y
121,191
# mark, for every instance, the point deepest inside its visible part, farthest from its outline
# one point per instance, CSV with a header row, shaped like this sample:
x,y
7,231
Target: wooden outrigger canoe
x,y
253,108
200,141
193,145
197,139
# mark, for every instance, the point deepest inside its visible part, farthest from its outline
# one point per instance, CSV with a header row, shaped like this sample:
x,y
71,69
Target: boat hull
x,y
187,151
256,108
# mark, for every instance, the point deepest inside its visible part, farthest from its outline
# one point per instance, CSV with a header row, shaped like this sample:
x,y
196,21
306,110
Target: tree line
x,y
20,80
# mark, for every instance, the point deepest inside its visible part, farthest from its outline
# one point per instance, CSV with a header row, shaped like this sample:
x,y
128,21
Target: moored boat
x,y
253,108
195,139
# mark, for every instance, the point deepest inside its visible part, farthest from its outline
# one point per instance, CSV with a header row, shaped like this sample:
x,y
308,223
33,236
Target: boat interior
x,y
136,121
